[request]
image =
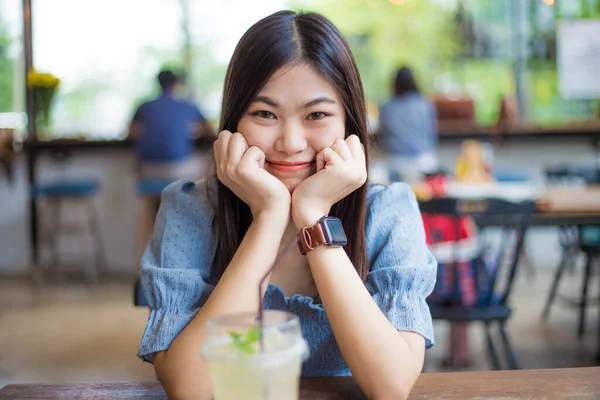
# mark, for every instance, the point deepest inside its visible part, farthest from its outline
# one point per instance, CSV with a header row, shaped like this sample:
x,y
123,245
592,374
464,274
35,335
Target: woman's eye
x,y
316,115
264,114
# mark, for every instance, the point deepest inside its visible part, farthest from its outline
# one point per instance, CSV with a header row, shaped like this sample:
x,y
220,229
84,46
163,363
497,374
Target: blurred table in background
x,y
513,191
556,205
577,200
569,206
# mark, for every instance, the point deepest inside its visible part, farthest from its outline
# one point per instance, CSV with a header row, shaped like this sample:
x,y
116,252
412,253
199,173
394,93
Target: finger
x,y
237,147
357,149
253,157
320,162
342,149
220,145
326,158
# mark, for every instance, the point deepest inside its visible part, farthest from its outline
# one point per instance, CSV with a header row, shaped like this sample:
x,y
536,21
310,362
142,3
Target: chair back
x,y
513,217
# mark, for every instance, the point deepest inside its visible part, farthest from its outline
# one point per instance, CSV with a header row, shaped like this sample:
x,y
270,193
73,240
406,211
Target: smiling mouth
x,y
284,166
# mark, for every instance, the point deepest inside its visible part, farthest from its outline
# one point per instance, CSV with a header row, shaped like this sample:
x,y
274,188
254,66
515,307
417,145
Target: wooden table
x,y
573,206
556,206
555,200
580,383
582,200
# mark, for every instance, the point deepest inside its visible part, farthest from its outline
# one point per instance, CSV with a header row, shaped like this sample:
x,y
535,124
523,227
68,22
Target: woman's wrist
x,y
308,217
274,219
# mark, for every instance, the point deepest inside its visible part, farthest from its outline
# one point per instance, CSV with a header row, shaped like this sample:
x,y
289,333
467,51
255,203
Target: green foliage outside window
x,y
461,47
6,72
384,37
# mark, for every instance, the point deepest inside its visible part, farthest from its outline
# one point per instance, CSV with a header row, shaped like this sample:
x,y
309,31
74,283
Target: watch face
x,y
334,230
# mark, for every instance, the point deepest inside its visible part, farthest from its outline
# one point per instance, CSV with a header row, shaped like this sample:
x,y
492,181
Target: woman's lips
x,y
283,166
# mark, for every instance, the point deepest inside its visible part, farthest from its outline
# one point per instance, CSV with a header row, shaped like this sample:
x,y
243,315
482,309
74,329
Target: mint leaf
x,y
244,343
253,334
247,348
238,342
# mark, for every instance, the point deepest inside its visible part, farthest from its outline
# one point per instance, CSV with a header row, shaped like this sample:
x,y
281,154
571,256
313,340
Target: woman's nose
x,y
291,139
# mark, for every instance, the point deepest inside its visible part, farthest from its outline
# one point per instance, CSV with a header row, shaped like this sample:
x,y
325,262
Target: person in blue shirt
x,y
163,131
408,130
292,148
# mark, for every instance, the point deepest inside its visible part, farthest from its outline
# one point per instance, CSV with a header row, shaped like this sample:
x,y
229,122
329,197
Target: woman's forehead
x,y
298,83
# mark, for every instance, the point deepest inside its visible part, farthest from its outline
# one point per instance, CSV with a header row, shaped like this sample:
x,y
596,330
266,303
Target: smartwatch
x,y
327,231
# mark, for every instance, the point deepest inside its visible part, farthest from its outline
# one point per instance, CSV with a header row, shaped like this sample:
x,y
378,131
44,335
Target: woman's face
x,y
296,115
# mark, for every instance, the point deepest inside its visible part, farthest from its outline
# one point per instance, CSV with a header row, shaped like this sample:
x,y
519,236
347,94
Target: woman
x,y
408,130
294,99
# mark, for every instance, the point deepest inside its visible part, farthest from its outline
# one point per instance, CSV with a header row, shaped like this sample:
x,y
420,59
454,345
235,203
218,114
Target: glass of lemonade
x,y
240,370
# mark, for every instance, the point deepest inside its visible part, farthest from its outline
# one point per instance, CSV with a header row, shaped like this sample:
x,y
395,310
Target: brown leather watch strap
x,y
311,237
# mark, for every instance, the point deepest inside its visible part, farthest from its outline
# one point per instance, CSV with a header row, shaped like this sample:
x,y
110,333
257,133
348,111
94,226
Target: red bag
x,y
455,255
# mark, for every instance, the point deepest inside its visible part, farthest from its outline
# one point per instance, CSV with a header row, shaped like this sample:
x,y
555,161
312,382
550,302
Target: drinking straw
x,y
261,298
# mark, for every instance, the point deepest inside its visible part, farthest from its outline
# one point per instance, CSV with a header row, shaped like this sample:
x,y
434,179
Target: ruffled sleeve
x,y
177,263
403,271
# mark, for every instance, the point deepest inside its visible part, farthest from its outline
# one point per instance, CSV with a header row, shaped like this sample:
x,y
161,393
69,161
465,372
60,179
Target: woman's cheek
x,y
263,138
327,135
255,135
261,144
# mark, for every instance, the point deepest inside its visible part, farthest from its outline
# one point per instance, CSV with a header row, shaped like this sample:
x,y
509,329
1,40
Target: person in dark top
x,y
163,129
408,129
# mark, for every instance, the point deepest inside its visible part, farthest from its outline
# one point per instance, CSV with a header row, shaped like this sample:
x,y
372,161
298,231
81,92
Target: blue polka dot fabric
x,y
177,264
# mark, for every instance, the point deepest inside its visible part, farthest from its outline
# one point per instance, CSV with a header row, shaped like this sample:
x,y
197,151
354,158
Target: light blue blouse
x,y
177,263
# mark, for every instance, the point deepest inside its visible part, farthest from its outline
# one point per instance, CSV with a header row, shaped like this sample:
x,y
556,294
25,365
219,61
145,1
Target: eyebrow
x,y
319,100
273,103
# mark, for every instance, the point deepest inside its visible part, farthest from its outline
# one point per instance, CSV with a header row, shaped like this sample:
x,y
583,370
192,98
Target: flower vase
x,y
42,99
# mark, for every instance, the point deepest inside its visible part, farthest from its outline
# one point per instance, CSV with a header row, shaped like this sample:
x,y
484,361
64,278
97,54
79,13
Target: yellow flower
x,y
37,79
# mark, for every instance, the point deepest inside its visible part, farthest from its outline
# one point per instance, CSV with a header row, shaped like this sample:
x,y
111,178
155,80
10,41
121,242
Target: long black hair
x,y
278,40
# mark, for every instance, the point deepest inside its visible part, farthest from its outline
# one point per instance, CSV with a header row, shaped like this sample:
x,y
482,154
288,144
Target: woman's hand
x,y
341,169
241,169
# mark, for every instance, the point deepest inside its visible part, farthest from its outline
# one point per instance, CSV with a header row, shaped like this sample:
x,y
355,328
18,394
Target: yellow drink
x,y
241,371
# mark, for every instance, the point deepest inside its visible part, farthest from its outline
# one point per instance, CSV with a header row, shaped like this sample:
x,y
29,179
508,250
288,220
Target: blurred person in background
x,y
408,130
163,131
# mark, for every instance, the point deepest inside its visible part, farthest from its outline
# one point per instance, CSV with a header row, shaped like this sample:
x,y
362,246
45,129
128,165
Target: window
x,y
12,95
107,54
460,47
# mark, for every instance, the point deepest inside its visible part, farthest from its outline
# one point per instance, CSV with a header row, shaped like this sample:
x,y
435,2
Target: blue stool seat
x,y
510,175
80,187
58,197
152,187
589,236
